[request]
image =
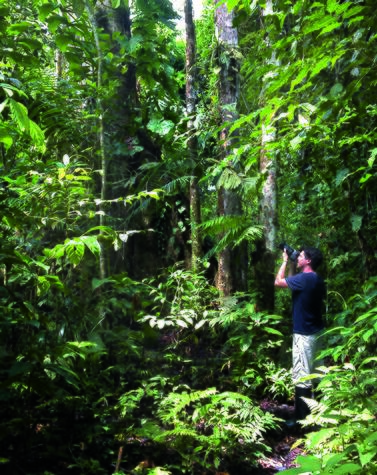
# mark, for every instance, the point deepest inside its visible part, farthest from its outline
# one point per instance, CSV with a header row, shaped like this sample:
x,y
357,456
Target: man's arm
x,y
280,276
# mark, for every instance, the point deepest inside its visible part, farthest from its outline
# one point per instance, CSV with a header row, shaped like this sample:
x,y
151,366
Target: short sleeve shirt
x,y
308,293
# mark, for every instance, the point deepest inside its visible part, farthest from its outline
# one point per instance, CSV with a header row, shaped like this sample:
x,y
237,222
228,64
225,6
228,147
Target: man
x,y
308,293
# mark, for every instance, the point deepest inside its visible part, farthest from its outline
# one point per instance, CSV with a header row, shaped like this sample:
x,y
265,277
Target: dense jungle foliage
x,y
119,356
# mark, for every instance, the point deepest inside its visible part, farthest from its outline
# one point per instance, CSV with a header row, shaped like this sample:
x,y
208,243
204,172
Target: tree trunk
x,y
101,133
266,248
265,255
191,80
232,262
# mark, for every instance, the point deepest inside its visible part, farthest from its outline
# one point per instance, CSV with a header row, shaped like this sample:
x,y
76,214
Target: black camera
x,y
292,253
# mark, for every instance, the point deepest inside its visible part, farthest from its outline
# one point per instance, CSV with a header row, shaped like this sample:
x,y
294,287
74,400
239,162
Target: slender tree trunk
x,y
191,79
59,63
232,268
266,248
101,133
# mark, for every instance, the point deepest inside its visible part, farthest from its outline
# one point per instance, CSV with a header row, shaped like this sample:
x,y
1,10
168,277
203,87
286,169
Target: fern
x,y
210,424
234,231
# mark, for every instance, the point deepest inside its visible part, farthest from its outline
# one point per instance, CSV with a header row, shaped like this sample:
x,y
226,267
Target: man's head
x,y
314,255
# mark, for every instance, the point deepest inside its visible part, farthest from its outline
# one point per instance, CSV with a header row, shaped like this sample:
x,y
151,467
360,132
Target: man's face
x,y
302,261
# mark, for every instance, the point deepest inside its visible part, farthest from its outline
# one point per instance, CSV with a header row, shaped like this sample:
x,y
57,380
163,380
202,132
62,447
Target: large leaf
x,y
20,115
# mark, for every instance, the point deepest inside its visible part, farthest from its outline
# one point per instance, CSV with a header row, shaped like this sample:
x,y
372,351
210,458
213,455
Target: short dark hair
x,y
315,256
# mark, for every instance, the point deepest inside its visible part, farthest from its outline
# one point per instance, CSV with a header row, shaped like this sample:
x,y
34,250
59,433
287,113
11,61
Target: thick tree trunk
x,y
195,205
232,268
140,254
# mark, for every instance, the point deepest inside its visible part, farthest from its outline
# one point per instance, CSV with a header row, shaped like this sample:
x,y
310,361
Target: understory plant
x,y
209,429
205,428
345,414
252,343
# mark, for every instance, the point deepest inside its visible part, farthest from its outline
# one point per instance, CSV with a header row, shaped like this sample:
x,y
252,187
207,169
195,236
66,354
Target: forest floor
x,y
284,443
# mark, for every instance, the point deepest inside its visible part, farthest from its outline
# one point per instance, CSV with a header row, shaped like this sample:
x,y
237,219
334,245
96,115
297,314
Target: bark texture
x,y
191,80
265,254
232,267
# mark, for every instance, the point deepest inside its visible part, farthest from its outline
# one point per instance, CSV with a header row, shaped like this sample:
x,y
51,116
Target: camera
x,y
292,253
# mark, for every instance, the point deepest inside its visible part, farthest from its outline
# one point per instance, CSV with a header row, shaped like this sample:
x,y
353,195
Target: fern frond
x,y
177,184
234,230
229,180
222,224
181,432
175,403
250,234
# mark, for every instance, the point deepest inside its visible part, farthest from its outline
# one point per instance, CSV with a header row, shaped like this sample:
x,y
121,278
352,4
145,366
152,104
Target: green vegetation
x,y
117,357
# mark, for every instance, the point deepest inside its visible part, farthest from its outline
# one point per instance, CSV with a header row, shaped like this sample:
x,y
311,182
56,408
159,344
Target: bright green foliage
x,y
91,364
184,296
206,425
309,83
252,340
346,439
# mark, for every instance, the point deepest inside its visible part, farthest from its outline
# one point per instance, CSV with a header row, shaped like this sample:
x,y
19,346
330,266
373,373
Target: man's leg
x,y
303,352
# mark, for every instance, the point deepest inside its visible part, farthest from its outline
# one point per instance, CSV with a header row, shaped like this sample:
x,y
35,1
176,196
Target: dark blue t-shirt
x,y
308,293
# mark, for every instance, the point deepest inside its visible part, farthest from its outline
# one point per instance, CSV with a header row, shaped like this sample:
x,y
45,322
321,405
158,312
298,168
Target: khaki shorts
x,y
304,350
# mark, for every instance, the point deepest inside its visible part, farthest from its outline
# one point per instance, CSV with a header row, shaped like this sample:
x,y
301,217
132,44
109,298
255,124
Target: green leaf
x,y
54,21
356,221
17,28
320,65
19,114
181,323
373,154
75,251
336,89
353,11
303,72
160,127
91,242
200,324
324,23
96,283
245,342
272,330
37,135
346,469
70,376
45,9
366,336
296,141
5,137
333,459
62,41
309,463
366,455
78,7
365,178
341,175
368,360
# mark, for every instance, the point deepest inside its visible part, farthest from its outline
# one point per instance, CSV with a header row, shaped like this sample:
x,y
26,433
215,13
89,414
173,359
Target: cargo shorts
x,y
304,351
